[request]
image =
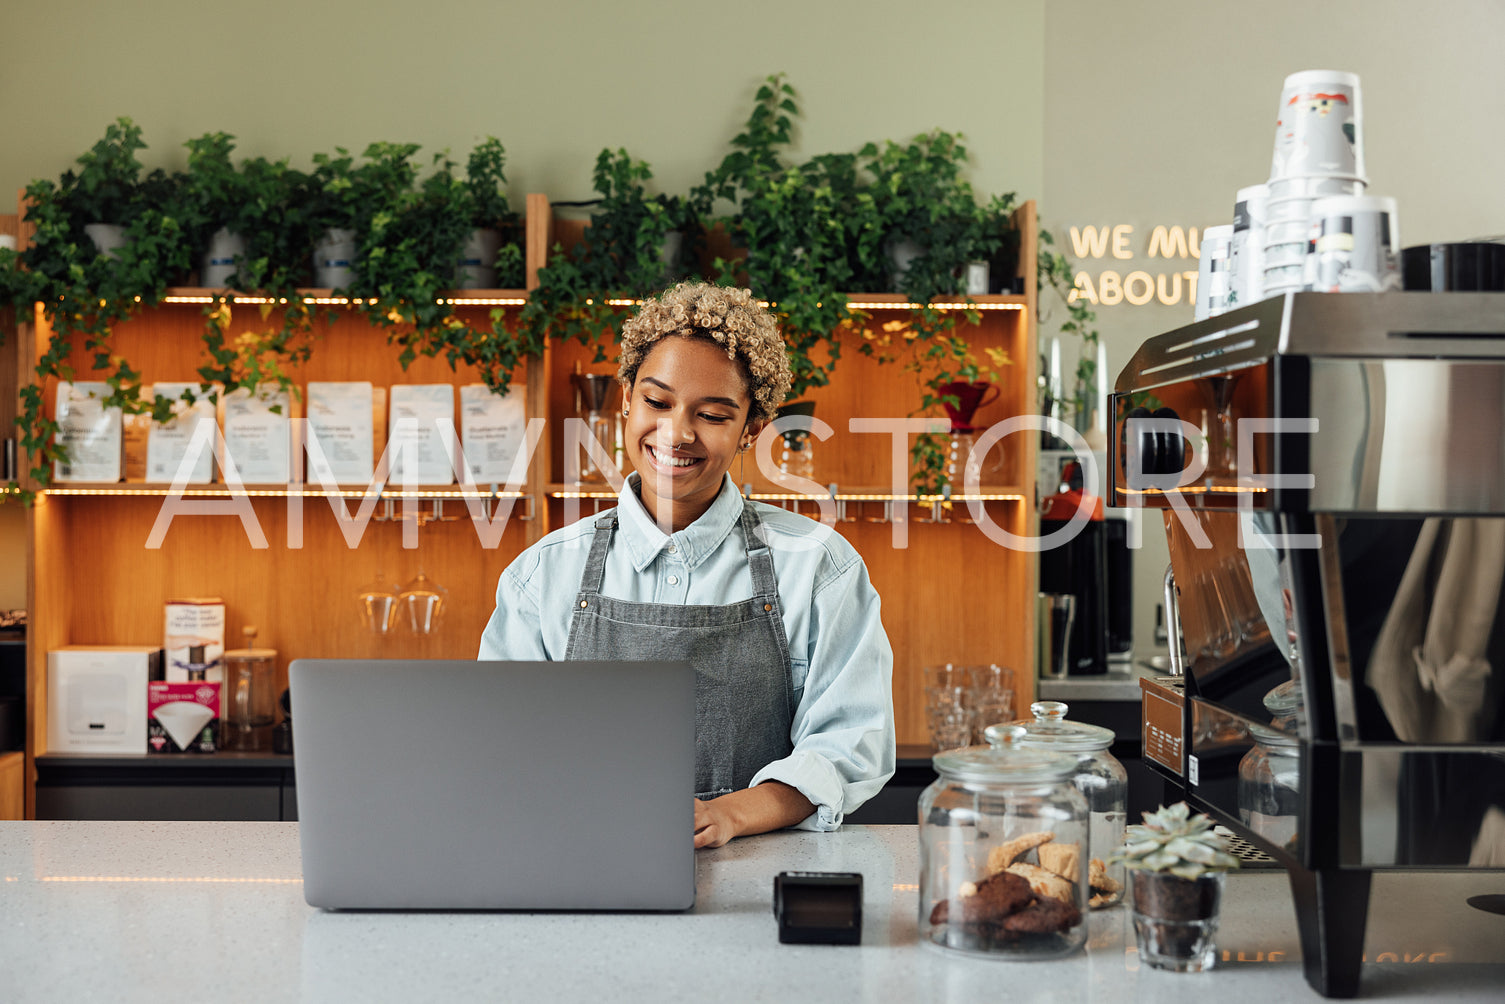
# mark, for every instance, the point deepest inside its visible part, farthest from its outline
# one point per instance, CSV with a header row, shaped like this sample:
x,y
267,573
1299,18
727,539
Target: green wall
x,y
1105,112
670,80
1158,113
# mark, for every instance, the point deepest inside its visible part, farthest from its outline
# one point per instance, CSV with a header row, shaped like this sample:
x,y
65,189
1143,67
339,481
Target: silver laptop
x,y
460,785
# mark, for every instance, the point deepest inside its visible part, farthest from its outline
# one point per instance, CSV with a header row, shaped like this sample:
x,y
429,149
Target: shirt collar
x,y
693,544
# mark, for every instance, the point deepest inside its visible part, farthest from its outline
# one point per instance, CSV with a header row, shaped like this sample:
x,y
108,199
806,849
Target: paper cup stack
x,y
1246,251
1319,151
1212,273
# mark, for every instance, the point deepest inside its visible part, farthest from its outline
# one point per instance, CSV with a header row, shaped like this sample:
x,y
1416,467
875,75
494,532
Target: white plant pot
x,y
671,253
901,255
107,237
222,257
977,278
477,267
334,259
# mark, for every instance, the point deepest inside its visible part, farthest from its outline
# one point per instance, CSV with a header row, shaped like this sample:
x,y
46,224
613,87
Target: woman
x,y
794,711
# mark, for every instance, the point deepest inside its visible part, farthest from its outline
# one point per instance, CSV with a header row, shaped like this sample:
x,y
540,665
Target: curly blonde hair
x,y
729,317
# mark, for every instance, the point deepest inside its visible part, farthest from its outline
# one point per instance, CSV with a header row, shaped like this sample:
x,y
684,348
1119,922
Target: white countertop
x,y
1120,683
176,912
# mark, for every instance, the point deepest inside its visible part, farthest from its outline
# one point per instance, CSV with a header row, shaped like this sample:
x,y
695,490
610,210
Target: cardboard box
x,y
182,717
97,697
194,642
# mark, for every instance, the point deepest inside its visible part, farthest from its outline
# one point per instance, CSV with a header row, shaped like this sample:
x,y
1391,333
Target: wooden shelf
x,y
458,297
947,597
122,488
855,493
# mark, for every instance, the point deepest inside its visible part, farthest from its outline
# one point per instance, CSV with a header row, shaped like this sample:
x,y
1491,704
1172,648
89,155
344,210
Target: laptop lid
x,y
450,784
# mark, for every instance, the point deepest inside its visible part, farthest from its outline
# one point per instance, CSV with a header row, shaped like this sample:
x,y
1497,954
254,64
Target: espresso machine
x,y
1331,470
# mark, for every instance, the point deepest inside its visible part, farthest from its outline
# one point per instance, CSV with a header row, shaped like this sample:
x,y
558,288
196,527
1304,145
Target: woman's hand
x,y
713,824
771,805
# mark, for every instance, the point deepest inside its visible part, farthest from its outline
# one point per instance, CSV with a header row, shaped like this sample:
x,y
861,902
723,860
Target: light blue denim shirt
x,y
843,731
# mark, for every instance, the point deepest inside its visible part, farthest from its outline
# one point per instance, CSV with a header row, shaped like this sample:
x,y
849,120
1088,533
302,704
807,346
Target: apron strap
x,y
595,562
759,556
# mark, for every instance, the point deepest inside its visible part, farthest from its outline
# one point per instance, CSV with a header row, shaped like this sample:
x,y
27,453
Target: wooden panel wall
x,y
950,594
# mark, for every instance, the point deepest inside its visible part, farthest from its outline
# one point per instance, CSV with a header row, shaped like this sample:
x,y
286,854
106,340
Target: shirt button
x,y
672,548
673,580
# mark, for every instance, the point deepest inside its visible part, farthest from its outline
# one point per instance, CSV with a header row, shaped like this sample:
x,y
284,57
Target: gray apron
x,y
744,696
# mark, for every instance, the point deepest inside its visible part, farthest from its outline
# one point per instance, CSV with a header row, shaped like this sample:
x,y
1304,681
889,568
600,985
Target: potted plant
x,y
249,221
1176,864
621,256
344,198
492,255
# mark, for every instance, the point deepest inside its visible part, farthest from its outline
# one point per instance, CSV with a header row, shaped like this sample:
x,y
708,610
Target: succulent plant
x,y
1176,841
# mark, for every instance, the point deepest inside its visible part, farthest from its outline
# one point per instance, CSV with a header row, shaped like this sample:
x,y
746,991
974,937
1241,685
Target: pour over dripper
x,y
969,398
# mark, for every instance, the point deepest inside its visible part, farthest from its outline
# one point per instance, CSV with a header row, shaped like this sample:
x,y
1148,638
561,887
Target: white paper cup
x,y
1276,255
1356,244
1283,279
1212,272
1296,209
1312,186
1291,232
1246,269
1318,128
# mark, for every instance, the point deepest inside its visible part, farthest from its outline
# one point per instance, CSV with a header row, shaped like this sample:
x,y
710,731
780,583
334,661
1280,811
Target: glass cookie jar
x,y
1003,868
1101,779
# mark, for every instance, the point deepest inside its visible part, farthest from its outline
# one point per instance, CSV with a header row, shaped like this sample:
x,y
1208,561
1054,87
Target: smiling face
x,y
687,417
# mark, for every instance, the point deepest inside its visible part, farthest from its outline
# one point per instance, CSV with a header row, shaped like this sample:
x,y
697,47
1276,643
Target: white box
x,y
96,697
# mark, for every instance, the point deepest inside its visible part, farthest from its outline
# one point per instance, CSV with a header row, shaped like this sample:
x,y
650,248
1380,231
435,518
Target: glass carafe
x,y
1099,776
595,395
249,700
1003,865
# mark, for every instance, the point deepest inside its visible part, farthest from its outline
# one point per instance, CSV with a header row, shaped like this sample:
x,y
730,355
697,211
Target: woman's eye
x,y
718,419
652,403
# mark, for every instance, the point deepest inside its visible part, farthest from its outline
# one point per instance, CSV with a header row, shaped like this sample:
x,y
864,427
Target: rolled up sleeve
x,y
843,731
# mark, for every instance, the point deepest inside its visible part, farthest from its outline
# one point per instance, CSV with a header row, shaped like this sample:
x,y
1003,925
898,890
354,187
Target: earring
x,y
624,412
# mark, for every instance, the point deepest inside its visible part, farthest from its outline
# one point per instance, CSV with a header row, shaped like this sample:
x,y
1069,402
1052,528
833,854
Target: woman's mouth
x,y
670,460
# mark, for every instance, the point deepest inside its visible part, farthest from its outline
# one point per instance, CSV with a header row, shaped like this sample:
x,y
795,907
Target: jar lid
x,y
251,654
1268,735
1050,729
1008,762
1285,700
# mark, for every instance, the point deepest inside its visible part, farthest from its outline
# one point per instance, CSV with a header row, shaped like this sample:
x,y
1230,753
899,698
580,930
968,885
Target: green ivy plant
x,y
411,233
83,292
620,257
924,198
486,187
808,230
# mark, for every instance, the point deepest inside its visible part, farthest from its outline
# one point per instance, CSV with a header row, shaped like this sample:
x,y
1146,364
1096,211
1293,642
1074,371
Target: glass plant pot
x,y
1176,919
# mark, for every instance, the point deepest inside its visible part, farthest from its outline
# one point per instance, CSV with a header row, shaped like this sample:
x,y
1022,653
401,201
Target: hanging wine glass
x,y
378,604
424,600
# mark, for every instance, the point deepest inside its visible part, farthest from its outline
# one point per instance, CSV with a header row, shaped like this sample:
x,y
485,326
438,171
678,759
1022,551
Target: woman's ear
x,y
754,430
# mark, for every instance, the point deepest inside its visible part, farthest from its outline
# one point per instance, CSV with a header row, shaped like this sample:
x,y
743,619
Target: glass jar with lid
x,y
1101,779
1269,785
1003,863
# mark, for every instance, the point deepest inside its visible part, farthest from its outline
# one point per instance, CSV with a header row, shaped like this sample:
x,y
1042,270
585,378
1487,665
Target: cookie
x,y
1000,857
